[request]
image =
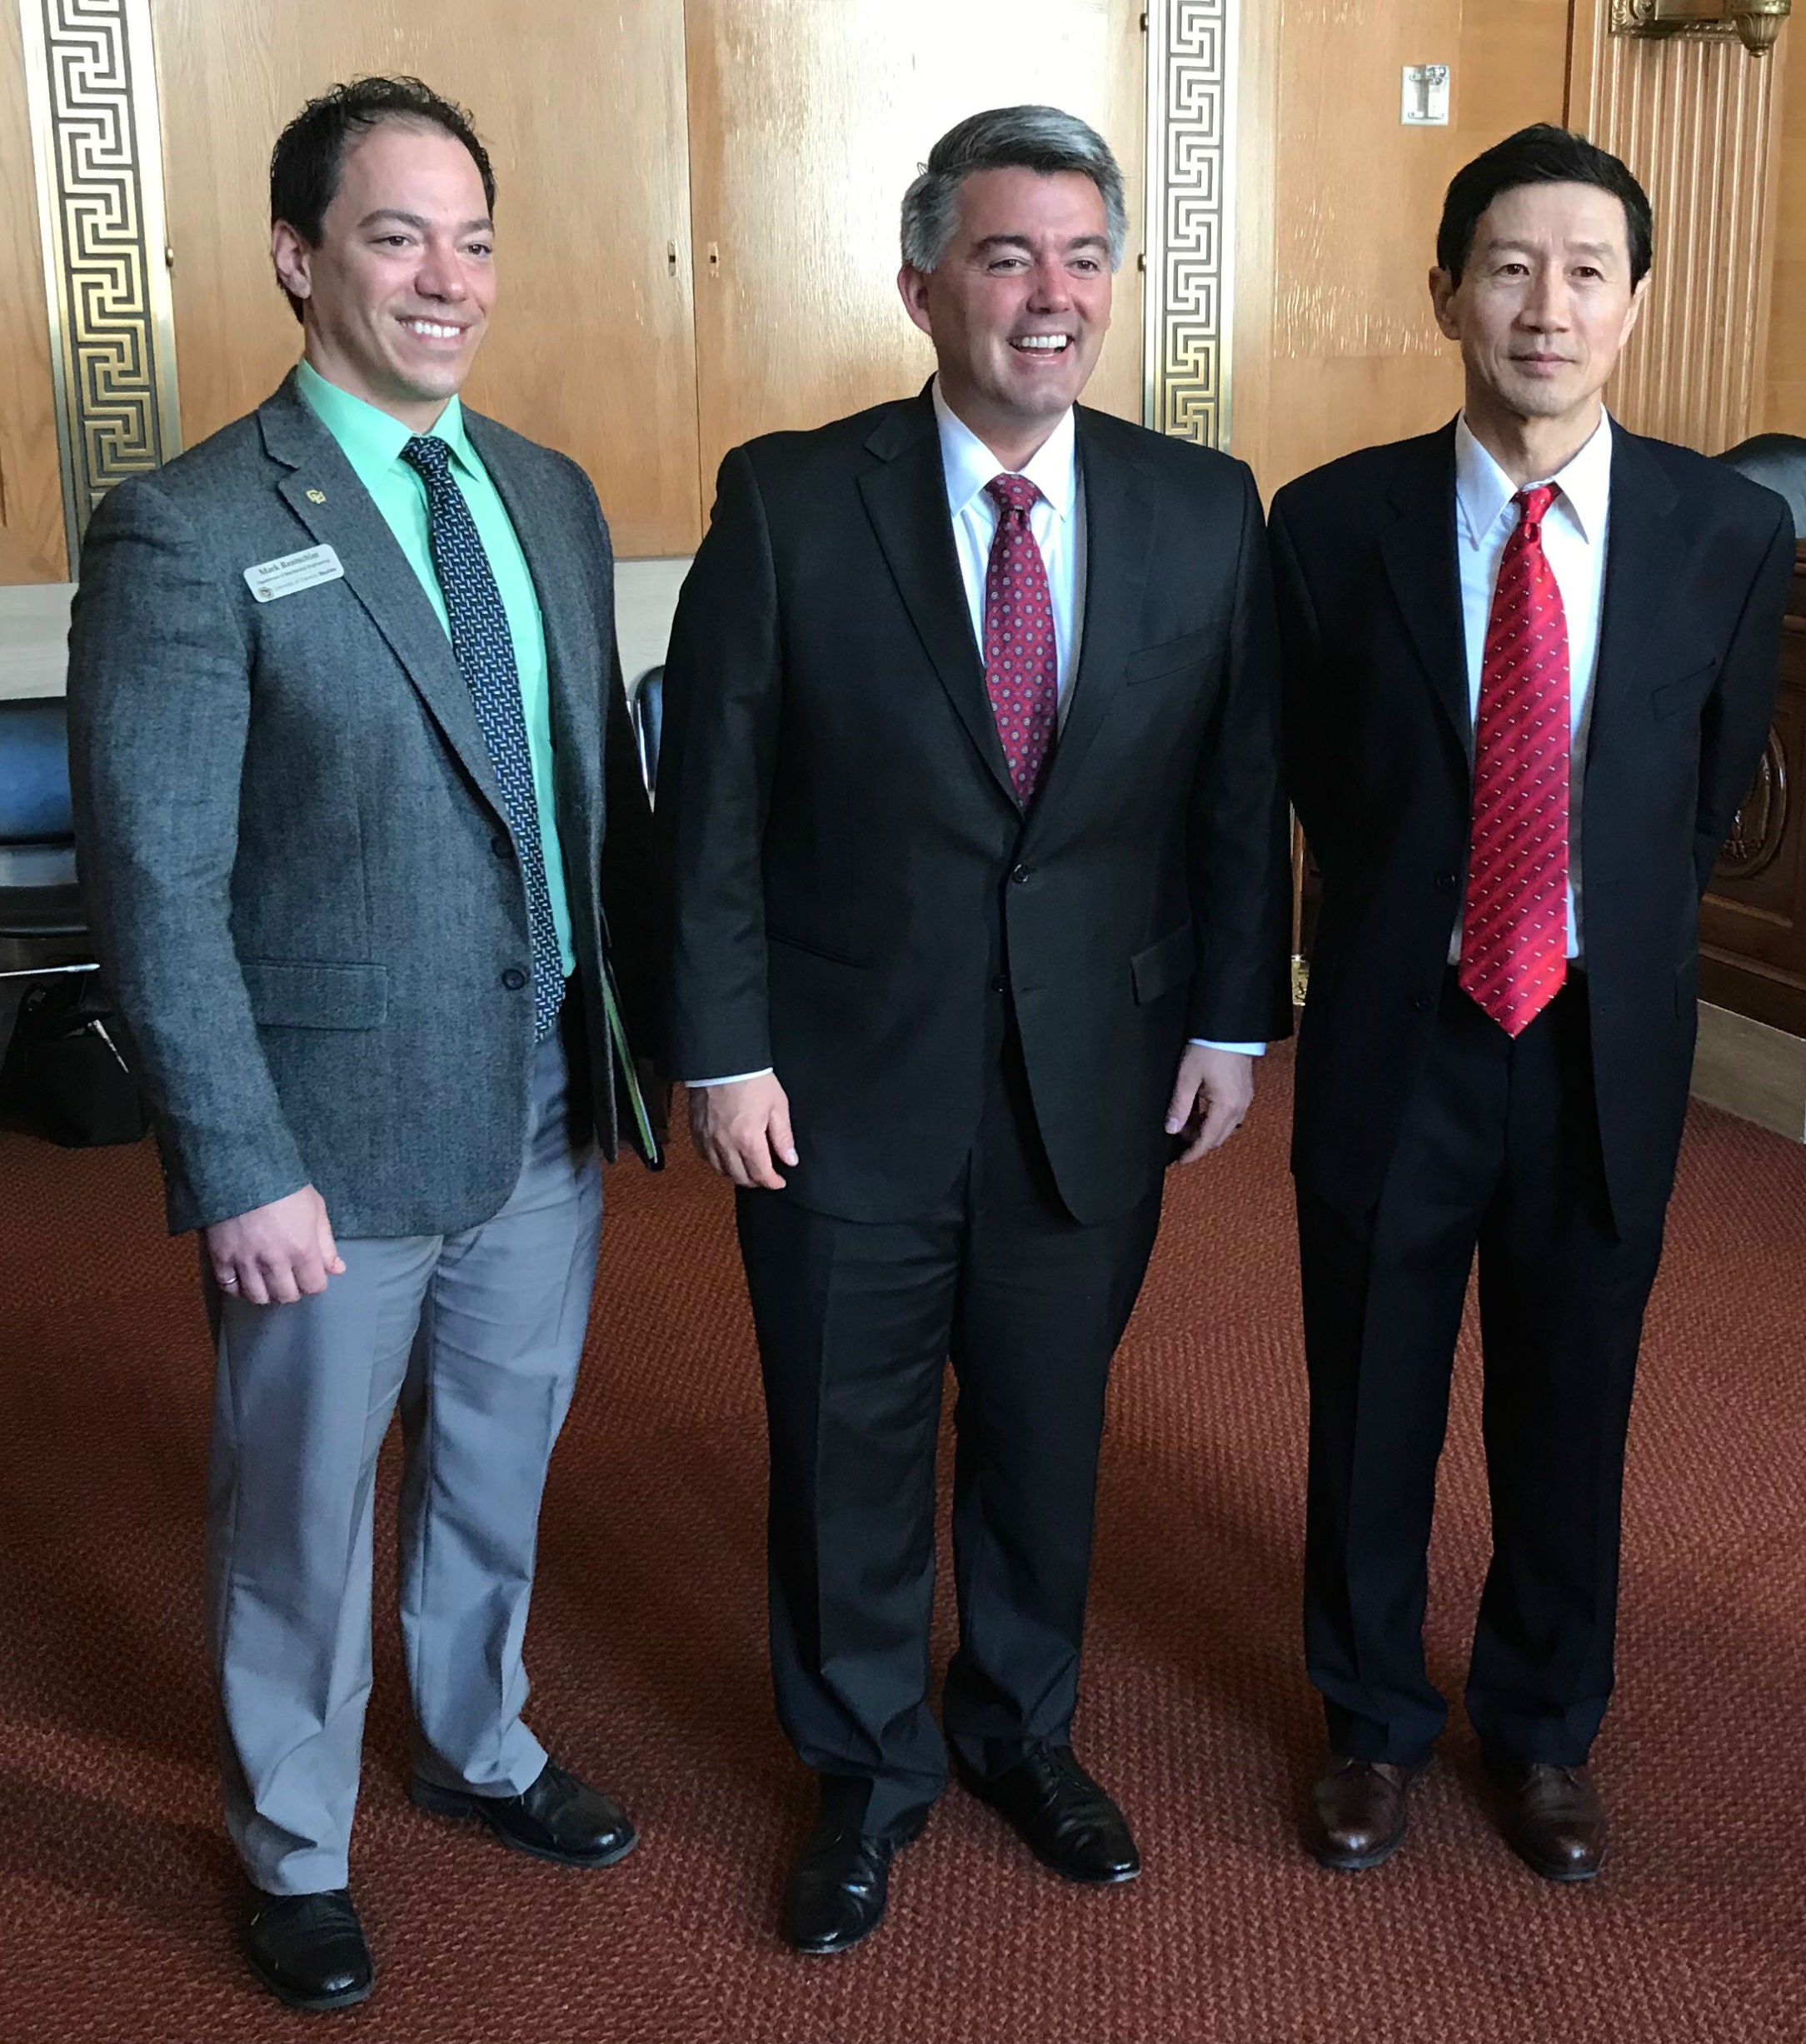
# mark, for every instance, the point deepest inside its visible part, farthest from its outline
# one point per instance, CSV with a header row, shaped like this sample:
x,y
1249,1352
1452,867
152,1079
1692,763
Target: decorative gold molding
x,y
1191,207
1757,23
91,88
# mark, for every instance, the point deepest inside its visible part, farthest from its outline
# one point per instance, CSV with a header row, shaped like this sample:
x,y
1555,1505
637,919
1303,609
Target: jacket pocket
x,y
1172,656
815,951
293,994
1164,966
1689,692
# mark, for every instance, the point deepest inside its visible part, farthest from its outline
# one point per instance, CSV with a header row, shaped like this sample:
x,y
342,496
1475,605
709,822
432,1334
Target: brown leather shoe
x,y
1552,1819
1357,1815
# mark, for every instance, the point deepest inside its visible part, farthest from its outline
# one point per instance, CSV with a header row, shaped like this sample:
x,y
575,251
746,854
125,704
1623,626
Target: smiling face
x,y
1018,307
1545,303
396,298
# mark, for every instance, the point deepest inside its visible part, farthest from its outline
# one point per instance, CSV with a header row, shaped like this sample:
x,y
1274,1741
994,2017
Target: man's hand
x,y
274,1254
744,1130
1213,1090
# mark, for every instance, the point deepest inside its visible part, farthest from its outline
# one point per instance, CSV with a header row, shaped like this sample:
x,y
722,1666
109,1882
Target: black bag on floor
x,y
67,1072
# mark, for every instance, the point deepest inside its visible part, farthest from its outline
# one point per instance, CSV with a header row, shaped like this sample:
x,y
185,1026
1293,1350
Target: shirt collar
x,y
968,464
370,438
1482,489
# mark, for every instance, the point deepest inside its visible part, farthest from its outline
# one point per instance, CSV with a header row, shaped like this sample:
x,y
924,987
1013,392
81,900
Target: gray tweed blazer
x,y
304,893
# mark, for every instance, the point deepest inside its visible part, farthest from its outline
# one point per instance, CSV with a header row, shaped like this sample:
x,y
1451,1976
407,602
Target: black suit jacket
x,y
1379,746
850,880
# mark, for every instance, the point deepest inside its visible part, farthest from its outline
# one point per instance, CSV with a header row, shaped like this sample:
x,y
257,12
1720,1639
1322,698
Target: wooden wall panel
x,y
1336,225
1695,118
31,544
582,108
1752,922
1784,399
808,119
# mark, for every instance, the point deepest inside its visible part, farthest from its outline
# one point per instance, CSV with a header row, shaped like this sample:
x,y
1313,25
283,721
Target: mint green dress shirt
x,y
372,441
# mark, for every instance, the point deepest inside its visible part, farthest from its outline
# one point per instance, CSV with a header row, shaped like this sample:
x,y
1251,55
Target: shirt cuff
x,y
1241,1050
734,1078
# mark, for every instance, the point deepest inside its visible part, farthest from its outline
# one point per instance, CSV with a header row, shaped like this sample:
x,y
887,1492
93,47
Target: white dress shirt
x,y
1573,542
1057,521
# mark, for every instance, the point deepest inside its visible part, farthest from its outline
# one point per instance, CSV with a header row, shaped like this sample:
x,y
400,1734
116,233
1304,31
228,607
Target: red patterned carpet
x,y
119,1897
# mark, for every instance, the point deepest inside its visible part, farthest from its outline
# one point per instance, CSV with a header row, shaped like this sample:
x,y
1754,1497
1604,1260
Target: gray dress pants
x,y
476,1336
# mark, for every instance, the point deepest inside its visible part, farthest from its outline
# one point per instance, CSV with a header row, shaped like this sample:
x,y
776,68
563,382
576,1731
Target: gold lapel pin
x,y
316,496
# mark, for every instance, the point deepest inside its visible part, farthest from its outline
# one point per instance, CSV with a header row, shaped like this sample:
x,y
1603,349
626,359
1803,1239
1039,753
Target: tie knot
x,y
430,455
1533,504
1014,493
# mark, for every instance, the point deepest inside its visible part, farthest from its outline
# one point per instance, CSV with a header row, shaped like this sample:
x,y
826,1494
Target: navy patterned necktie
x,y
484,649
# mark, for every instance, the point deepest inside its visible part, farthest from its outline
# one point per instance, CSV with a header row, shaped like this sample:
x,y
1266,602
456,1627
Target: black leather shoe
x,y
559,1818
1062,1816
839,1886
309,1950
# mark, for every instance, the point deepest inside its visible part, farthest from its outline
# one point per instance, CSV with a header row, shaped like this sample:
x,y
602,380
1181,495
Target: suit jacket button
x,y
514,979
501,847
1445,880
999,986
1019,874
1423,1002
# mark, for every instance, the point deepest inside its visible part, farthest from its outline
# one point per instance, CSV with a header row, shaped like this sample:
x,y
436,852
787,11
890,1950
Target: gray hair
x,y
1035,138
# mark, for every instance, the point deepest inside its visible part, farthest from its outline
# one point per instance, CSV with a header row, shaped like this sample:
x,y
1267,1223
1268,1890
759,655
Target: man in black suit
x,y
1484,629
970,807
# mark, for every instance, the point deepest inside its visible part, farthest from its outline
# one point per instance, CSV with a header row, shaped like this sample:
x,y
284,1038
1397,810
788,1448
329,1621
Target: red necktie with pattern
x,y
1514,930
1021,661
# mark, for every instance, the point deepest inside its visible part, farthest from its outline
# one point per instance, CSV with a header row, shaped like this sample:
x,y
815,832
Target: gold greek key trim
x,y
1191,213
91,84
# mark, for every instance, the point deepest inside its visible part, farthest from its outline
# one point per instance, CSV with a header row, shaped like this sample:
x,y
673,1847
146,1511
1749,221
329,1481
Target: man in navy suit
x,y
1526,616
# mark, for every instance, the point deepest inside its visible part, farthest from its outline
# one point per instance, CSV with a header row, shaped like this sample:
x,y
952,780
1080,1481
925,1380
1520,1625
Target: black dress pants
x,y
1500,1153
855,1323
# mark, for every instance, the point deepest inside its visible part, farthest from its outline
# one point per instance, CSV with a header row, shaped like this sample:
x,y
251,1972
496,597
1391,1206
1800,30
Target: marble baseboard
x,y
1751,1069
34,632
34,625
645,599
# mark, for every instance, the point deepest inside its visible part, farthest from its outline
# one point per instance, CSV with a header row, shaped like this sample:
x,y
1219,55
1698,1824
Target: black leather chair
x,y
43,930
647,705
1777,461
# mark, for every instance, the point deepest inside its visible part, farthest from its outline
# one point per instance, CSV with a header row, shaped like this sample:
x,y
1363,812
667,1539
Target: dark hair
x,y
1542,155
309,156
1042,139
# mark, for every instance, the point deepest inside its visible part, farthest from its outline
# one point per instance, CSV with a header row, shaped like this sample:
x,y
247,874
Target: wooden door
x,y
31,544
808,118
582,109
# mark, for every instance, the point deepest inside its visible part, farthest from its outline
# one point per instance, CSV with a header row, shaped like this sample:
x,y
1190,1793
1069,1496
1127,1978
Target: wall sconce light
x,y
1755,23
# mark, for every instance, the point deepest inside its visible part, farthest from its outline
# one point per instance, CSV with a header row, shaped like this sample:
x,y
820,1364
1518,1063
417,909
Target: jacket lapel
x,y
573,631
1644,546
323,492
1418,551
906,500
1118,523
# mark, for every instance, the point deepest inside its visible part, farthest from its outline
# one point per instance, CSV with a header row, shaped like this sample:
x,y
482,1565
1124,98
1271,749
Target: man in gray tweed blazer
x,y
345,722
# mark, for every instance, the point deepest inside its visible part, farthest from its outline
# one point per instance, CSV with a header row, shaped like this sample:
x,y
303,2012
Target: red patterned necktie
x,y
1021,661
1514,928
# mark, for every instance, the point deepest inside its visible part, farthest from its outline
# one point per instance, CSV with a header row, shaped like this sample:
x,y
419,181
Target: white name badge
x,y
271,579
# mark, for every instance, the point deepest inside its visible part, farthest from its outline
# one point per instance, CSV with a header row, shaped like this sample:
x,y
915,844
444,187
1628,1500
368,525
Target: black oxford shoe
x,y
839,1886
559,1818
1062,1816
309,1950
